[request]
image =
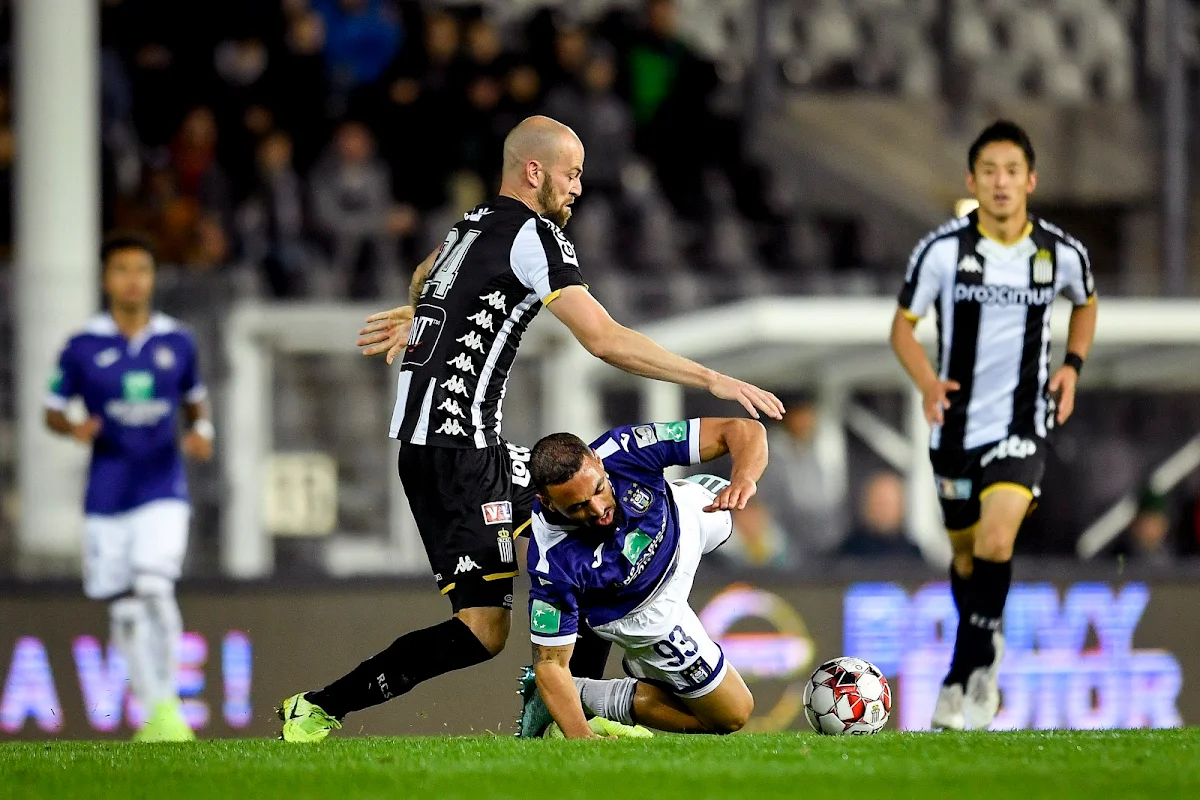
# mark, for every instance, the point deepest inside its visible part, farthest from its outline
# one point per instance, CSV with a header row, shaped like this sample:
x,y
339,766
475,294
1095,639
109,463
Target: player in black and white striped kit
x,y
991,398
469,491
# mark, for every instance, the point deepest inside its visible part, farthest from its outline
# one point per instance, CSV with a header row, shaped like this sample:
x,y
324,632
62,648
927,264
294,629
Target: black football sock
x,y
414,657
988,590
958,590
590,654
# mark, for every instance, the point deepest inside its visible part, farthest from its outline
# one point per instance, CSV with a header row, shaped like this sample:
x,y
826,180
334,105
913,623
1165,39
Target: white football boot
x,y
982,697
948,713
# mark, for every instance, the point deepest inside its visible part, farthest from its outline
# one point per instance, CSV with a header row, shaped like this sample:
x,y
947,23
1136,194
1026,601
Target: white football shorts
x,y
663,640
148,540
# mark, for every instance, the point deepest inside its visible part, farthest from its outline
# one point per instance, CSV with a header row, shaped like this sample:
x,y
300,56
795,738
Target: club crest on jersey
x,y
1043,267
637,499
164,357
644,435
970,264
498,513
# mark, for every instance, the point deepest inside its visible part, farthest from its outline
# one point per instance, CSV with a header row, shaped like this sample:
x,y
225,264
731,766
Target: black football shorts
x,y
964,477
470,505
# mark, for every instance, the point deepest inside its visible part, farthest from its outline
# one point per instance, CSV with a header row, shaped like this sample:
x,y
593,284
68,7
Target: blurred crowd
x,y
330,142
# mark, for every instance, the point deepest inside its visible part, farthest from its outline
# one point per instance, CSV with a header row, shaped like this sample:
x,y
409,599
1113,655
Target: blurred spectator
x,y
242,103
7,150
1147,541
300,93
198,176
808,501
361,38
879,531
571,47
483,49
352,208
272,219
757,540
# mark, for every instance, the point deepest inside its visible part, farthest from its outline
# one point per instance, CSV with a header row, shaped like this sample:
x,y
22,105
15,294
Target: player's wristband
x,y
204,428
1074,361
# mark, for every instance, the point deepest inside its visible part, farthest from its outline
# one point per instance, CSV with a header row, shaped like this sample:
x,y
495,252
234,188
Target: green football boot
x,y
304,721
165,724
604,727
534,714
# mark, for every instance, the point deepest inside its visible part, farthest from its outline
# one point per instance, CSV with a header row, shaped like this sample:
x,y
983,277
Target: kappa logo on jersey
x,y
484,320
472,341
996,295
637,499
497,513
496,300
450,427
477,214
505,545
625,442
644,435
970,264
451,406
1043,267
164,357
953,488
106,358
1012,447
456,385
462,362
465,564
423,337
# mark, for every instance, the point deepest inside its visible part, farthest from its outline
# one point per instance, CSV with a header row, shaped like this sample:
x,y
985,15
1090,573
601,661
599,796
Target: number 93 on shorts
x,y
682,659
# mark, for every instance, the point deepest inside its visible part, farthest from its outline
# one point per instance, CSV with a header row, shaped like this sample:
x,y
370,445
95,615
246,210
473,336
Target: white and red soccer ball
x,y
847,696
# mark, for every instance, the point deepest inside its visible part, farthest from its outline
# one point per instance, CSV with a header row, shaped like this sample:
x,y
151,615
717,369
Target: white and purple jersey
x,y
602,574
136,388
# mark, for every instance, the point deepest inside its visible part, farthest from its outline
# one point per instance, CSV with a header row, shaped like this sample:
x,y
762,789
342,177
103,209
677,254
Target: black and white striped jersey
x,y
495,270
993,305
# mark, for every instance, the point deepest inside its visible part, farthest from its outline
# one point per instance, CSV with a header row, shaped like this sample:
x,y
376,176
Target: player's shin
x,y
165,627
411,659
612,699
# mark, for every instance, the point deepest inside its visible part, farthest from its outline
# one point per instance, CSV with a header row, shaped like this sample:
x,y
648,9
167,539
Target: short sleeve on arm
x,y
926,273
66,381
553,607
1075,273
544,259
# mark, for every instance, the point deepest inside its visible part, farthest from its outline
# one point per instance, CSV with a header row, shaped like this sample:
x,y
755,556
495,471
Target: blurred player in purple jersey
x,y
616,546
135,369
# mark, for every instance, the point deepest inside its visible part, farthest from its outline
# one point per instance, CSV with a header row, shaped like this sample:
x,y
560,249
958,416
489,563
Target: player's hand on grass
x,y
735,495
197,447
752,398
86,431
386,332
935,400
1062,387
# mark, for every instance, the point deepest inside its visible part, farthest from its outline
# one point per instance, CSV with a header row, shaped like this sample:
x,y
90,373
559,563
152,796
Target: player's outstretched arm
x,y
628,350
934,392
746,442
551,668
386,332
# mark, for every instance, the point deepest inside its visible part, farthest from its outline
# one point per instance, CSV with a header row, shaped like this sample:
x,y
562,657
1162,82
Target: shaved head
x,y
543,167
537,139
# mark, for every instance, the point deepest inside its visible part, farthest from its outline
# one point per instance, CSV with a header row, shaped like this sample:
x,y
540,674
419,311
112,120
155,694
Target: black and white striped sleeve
x,y
544,259
926,274
1075,273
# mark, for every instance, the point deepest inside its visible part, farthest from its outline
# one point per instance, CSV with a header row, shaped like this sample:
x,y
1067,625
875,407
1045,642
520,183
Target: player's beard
x,y
545,197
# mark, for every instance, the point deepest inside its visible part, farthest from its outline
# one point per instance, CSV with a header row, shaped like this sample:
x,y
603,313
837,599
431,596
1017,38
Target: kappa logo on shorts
x,y
465,564
953,488
498,513
644,435
1012,447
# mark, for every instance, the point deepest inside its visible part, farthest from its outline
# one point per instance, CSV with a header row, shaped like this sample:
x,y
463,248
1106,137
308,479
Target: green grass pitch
x,y
1059,764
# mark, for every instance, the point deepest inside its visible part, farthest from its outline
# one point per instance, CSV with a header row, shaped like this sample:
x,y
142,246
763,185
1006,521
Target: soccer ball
x,y
847,695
